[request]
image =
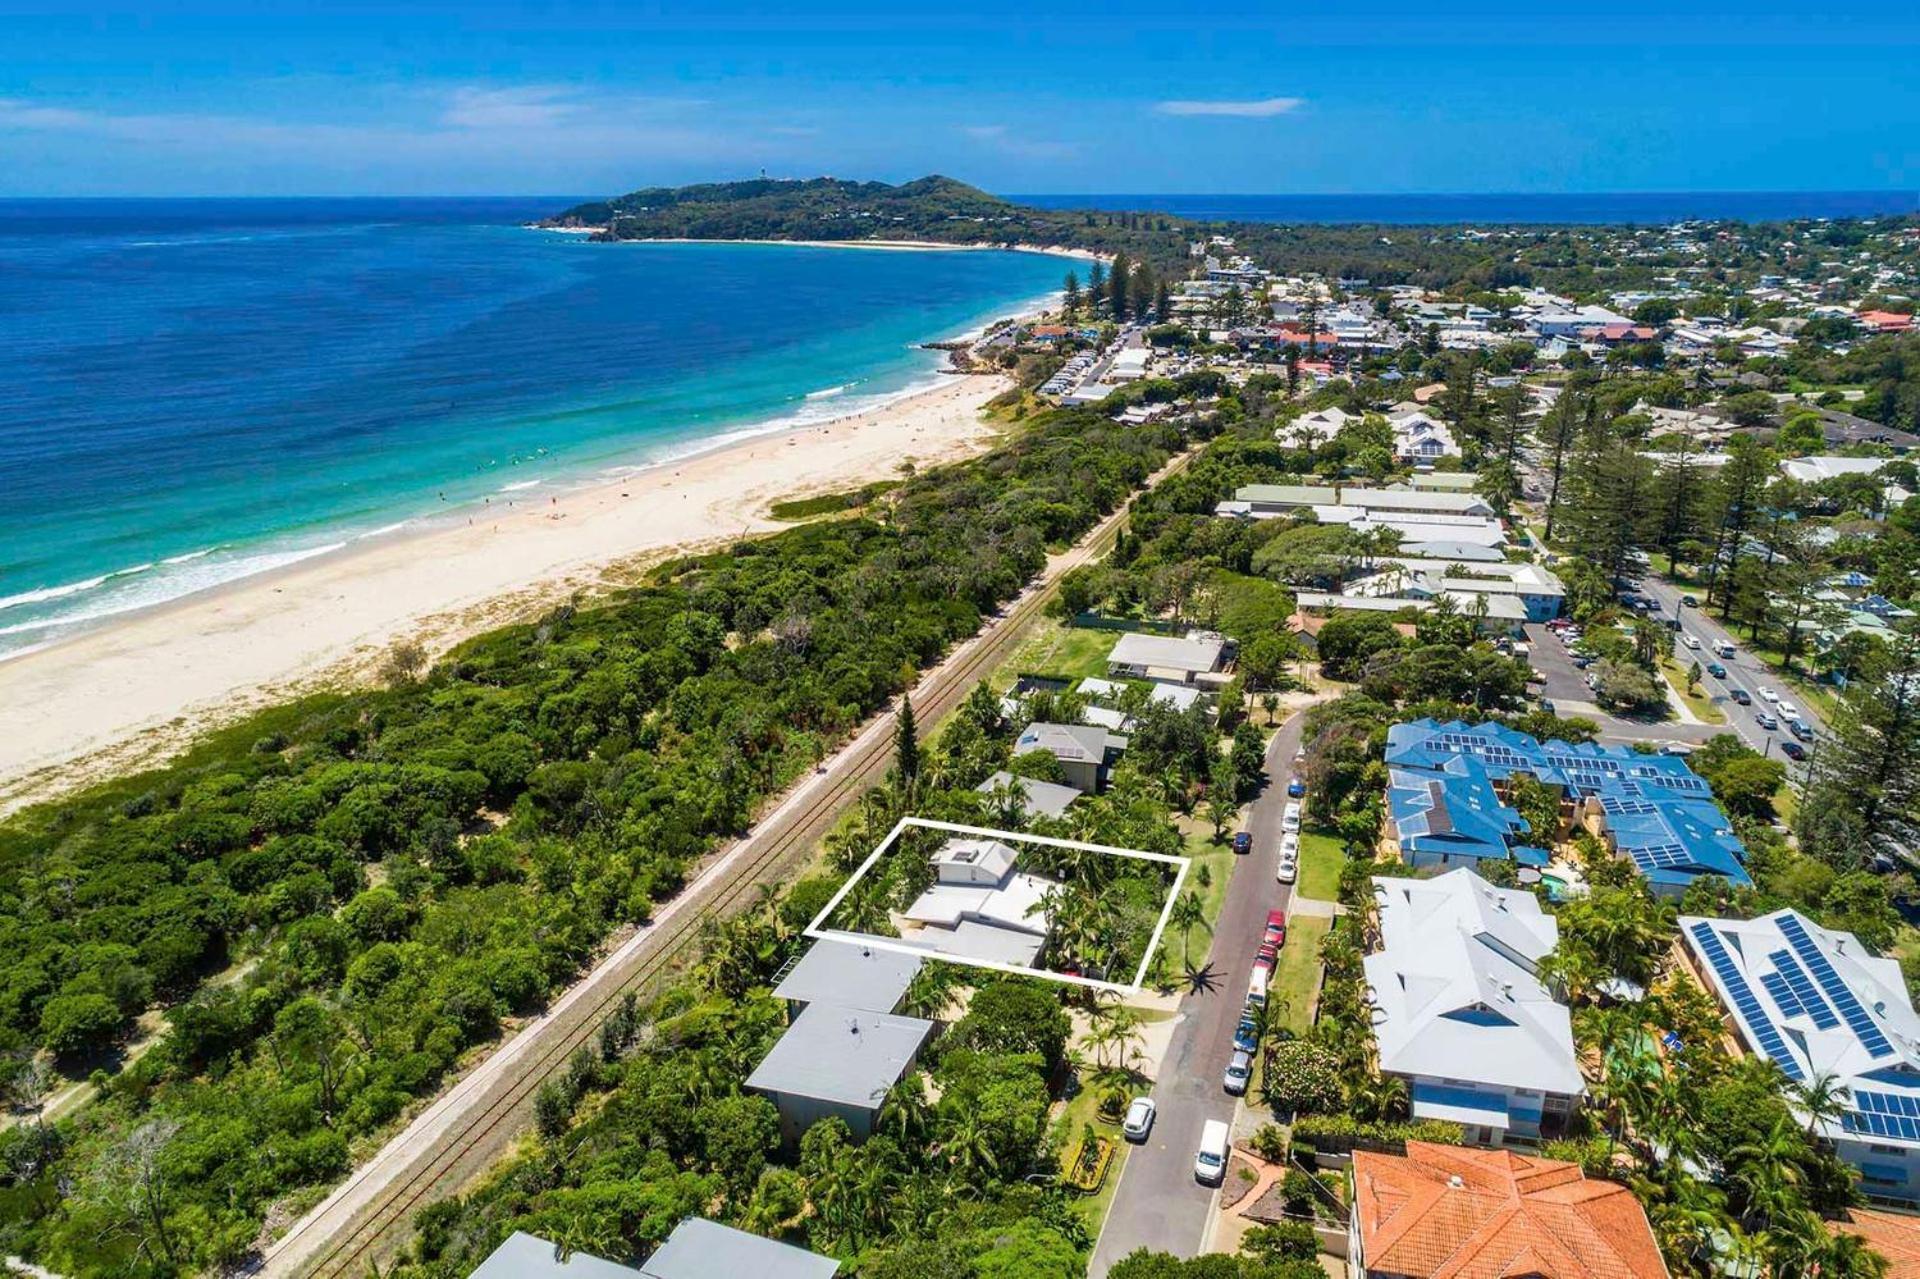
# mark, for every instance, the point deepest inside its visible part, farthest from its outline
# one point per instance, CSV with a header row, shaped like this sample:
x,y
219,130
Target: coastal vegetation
x,y
332,903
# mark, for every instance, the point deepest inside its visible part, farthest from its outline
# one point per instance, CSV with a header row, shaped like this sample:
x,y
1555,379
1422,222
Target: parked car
x,y
1689,601
1676,748
1290,820
1267,956
1239,1071
1766,721
1210,1161
1242,842
1139,1120
1288,869
1741,696
1716,670
1546,704
1246,1036
1290,843
1295,788
1792,749
1277,927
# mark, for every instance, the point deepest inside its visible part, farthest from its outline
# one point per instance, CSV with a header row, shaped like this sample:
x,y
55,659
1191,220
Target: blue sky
x,y
562,98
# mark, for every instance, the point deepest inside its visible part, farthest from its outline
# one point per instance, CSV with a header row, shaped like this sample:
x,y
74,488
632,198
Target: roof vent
x,y
1454,1182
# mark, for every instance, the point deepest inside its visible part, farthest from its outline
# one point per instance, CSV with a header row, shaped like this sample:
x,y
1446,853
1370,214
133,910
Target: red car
x,y
1276,928
1269,955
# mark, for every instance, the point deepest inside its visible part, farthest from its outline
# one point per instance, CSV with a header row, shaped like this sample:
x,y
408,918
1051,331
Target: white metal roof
x,y
839,1054
1454,986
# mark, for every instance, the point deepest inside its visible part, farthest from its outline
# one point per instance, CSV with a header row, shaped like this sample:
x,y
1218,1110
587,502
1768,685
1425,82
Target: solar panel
x,y
1808,999
1858,1019
1745,1002
1880,1123
1776,986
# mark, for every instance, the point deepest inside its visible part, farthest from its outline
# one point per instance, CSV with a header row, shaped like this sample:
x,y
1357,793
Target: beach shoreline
x,y
133,691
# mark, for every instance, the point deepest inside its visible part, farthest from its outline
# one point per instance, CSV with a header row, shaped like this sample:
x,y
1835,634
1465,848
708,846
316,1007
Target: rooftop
x,y
1041,799
850,974
1371,499
525,1256
1820,1004
702,1249
1080,742
1455,986
839,1054
1172,652
1660,813
1894,1235
1448,1212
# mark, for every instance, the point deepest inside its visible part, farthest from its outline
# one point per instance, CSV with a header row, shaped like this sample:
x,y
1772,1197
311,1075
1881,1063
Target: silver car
x,y
1239,1071
1139,1121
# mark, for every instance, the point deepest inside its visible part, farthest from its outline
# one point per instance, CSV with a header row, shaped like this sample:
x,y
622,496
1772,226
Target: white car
x,y
1139,1121
1789,711
1769,695
1290,844
1290,820
1691,641
1288,869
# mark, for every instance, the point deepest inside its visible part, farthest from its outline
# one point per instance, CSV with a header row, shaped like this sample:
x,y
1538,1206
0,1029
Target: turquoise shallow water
x,y
194,391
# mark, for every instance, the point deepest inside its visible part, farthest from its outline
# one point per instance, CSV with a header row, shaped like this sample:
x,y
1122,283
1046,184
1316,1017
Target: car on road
x,y
1290,820
1681,749
1288,869
1716,670
1139,1120
1724,648
1788,710
1765,720
1546,704
1210,1161
1246,1036
1689,601
1295,788
1242,842
1691,641
1792,749
1239,1071
1769,695
1801,729
1277,927
1741,696
1267,956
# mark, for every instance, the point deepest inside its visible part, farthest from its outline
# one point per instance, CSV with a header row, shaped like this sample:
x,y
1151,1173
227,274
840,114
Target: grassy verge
x,y
1084,1109
1068,652
1699,702
1217,861
1818,696
806,508
1321,857
1291,991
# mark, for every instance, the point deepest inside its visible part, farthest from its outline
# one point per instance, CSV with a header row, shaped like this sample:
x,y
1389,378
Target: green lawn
x,y
1290,993
1217,859
1675,669
1067,652
1321,857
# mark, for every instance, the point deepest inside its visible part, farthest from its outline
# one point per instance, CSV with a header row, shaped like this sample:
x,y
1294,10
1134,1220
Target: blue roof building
x,y
1655,809
1452,816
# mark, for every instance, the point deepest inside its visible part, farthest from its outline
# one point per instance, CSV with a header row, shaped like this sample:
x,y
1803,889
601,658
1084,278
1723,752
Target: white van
x,y
1724,648
1290,820
1257,986
1210,1163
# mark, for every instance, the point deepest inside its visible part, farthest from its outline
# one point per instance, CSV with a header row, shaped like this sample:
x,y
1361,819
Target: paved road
x,y
472,1123
1159,1204
1743,671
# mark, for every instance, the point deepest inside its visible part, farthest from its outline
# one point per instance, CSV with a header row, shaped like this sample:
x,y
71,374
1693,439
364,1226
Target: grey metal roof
x,y
525,1256
702,1249
850,974
840,1054
1069,741
1048,799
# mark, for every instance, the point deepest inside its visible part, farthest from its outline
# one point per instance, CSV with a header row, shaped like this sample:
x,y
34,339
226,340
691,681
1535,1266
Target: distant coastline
x,y
910,246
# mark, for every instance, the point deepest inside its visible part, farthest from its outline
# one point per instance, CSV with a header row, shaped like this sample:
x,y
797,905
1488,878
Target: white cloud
x,y
1245,108
1013,143
530,107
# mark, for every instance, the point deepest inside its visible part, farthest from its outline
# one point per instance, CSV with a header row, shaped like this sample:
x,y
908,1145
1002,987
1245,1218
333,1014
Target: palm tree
x,y
1188,913
1768,1173
969,1147
904,1114
1822,1099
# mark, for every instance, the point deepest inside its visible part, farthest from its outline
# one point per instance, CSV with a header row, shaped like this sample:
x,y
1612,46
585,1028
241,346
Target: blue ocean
x,y
195,391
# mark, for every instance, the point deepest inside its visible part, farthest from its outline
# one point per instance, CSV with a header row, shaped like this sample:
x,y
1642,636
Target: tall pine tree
x,y
1864,796
906,745
1119,281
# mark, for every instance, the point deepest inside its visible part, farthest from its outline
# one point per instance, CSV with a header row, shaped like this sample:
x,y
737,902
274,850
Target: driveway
x,y
1159,1205
1566,686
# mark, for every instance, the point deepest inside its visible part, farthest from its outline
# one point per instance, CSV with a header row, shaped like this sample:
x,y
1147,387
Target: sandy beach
x,y
136,690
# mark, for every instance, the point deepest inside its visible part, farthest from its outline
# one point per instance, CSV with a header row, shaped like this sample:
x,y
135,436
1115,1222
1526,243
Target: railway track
x,y
471,1125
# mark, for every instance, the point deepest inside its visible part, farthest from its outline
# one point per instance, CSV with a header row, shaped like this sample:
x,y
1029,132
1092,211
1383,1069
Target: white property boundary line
x,y
819,932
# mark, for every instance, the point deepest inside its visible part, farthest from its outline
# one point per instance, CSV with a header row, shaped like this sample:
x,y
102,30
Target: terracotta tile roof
x,y
1894,1235
1449,1212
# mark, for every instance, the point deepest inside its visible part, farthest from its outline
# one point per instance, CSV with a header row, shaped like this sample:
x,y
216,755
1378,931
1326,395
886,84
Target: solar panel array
x,y
1858,1019
1661,857
1765,1033
1801,996
1883,1114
